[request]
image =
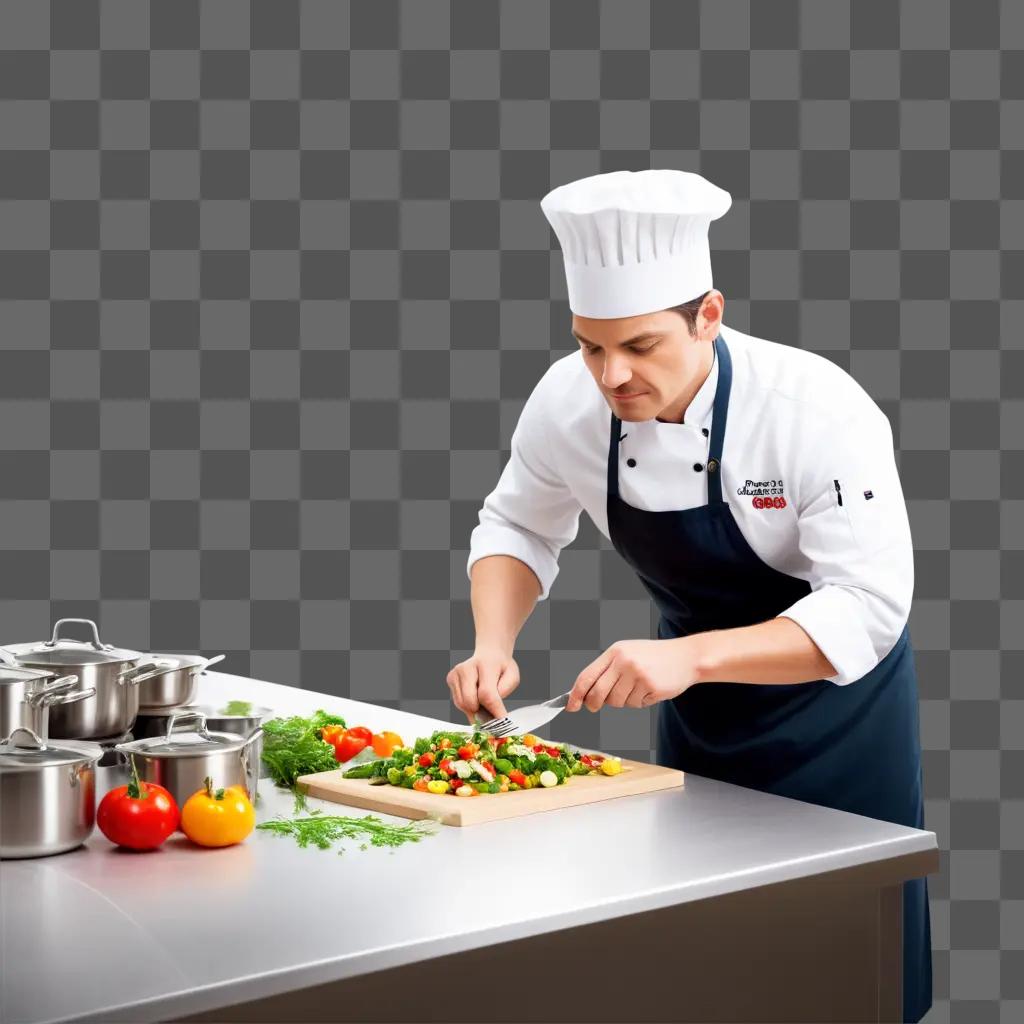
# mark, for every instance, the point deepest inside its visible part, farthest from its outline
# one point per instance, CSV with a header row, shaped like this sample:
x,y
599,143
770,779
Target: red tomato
x,y
538,748
361,731
347,746
426,760
139,816
468,751
446,765
517,777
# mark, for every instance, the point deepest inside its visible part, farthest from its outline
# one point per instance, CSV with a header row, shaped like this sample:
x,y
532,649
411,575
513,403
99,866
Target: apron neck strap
x,y
719,414
613,456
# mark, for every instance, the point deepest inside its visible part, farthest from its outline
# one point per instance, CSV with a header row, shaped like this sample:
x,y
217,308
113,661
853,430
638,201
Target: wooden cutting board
x,y
636,777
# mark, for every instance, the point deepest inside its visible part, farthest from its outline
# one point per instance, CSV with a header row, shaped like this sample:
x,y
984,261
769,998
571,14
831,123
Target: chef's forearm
x,y
777,651
503,592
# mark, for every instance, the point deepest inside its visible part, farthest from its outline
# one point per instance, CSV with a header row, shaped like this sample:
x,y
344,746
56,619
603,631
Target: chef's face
x,y
650,366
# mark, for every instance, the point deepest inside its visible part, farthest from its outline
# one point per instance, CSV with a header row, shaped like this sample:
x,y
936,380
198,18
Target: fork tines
x,y
498,726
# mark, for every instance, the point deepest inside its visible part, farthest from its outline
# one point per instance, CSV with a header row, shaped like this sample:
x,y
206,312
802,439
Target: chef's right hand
x,y
482,681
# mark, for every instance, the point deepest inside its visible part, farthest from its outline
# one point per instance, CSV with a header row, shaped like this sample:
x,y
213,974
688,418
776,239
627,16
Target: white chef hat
x,y
635,241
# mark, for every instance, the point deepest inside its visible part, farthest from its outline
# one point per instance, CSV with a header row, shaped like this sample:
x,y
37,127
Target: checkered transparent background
x,y
275,283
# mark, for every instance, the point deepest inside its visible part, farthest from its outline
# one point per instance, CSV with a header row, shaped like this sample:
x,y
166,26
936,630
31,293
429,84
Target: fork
x,y
526,719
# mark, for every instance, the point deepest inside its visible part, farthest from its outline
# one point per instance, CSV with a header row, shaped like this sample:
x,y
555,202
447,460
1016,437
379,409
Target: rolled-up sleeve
x,y
531,514
861,550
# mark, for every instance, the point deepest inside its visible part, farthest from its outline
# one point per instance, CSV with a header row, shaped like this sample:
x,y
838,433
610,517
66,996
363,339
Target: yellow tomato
x,y
611,766
384,743
218,817
437,786
529,740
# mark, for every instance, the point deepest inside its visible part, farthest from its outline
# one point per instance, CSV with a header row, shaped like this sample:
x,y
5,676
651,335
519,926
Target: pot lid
x,y
23,750
65,652
208,711
218,711
173,661
23,674
37,654
194,740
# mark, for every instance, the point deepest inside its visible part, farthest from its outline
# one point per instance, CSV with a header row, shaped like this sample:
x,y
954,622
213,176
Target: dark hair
x,y
689,310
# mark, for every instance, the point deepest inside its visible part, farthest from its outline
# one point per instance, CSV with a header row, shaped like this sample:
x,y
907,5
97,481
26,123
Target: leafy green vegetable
x,y
237,707
293,747
321,830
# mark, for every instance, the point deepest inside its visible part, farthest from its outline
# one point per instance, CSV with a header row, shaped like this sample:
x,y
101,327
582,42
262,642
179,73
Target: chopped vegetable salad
x,y
466,765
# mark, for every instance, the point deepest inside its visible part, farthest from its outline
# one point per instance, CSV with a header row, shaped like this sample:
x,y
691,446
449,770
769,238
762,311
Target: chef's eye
x,y
591,350
641,351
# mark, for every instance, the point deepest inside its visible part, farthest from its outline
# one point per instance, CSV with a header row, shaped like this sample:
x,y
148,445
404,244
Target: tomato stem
x,y
135,790
210,792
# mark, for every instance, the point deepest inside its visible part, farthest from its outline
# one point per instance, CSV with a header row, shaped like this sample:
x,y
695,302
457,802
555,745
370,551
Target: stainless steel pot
x,y
154,723
180,760
241,725
170,680
27,694
48,794
109,671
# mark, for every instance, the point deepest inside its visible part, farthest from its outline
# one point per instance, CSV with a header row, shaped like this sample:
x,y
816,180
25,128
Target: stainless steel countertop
x,y
106,935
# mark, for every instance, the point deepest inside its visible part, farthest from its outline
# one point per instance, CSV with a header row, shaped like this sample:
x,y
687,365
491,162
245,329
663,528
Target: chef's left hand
x,y
635,674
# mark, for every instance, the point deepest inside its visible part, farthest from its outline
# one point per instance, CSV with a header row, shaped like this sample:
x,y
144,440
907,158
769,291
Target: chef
x,y
753,489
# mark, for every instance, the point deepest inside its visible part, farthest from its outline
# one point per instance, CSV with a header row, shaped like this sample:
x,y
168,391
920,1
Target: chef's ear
x,y
711,310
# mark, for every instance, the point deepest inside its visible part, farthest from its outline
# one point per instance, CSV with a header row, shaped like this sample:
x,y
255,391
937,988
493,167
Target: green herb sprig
x,y
323,830
242,708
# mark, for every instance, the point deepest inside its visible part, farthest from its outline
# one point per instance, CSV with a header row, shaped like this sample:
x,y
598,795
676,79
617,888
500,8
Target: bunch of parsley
x,y
293,747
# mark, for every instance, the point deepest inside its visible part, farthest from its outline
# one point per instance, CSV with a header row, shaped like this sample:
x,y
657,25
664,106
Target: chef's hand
x,y
482,681
635,674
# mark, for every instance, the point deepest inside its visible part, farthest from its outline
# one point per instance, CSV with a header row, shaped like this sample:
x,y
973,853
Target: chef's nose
x,y
616,371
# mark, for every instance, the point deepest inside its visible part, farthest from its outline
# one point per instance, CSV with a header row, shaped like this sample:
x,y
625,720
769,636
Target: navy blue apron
x,y
855,748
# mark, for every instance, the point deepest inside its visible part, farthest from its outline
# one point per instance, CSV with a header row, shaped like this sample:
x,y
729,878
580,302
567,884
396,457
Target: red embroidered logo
x,y
768,503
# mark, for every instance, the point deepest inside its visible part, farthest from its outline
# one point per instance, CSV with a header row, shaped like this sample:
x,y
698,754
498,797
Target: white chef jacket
x,y
802,435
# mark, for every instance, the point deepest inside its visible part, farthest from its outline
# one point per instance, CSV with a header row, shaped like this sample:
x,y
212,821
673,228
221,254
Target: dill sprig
x,y
323,830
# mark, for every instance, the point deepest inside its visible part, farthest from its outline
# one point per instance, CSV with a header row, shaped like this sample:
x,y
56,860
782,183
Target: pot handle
x,y
50,699
7,658
95,642
51,688
199,669
197,717
36,741
251,765
142,673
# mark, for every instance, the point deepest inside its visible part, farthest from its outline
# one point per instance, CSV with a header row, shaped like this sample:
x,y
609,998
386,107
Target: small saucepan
x,y
169,680
241,719
180,760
